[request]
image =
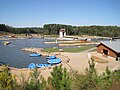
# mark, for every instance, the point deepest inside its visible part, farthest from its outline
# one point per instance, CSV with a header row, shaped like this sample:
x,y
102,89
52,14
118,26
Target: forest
x,y
49,29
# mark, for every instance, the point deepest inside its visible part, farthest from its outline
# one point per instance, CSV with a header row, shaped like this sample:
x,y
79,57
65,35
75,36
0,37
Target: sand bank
x,y
74,61
40,51
79,61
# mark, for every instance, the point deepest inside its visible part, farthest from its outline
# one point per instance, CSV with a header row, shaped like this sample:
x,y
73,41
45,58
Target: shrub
x,y
60,78
34,81
6,80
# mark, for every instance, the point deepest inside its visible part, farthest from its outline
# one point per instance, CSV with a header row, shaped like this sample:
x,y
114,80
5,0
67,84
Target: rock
x,y
6,43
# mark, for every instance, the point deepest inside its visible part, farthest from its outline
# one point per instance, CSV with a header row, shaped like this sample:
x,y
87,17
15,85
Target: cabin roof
x,y
114,45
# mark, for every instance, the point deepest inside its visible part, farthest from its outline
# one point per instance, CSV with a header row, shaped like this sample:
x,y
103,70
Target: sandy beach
x,y
77,61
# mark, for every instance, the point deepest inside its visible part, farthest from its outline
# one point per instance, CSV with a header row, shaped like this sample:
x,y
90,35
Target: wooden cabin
x,y
109,48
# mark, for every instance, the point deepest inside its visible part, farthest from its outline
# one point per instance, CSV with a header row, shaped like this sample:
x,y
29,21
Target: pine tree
x,y
34,83
6,80
60,78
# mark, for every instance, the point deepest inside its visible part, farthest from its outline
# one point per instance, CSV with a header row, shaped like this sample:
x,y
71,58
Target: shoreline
x,y
75,61
40,51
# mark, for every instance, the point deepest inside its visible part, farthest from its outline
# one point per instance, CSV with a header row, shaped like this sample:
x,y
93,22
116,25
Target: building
x,y
62,33
109,48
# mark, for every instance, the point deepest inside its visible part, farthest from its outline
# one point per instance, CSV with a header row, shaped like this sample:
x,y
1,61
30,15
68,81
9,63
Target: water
x,y
13,56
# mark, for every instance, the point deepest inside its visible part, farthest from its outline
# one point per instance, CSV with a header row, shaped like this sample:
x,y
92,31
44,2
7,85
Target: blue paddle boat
x,y
31,66
54,61
51,57
43,65
35,55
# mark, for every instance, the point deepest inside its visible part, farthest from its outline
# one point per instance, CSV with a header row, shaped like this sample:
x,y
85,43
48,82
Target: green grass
x,y
51,50
79,49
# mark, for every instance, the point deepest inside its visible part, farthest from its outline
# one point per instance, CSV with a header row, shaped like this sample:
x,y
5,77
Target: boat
x,y
43,65
51,57
35,55
54,61
31,66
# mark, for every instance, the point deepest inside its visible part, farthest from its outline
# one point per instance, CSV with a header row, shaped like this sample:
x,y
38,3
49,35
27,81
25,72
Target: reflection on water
x,y
14,57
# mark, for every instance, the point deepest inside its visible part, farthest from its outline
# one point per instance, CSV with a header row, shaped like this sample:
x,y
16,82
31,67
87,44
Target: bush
x,y
60,78
6,80
34,81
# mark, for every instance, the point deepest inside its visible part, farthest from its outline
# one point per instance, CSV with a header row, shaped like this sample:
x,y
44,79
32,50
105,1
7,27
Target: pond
x,y
13,56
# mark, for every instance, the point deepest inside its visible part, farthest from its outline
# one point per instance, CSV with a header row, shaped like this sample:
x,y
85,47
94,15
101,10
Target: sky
x,y
36,13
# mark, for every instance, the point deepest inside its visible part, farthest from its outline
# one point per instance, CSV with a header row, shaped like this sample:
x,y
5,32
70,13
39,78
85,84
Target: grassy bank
x,y
79,49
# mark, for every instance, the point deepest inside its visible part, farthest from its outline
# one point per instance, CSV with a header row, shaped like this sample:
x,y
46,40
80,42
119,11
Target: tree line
x,y
49,29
